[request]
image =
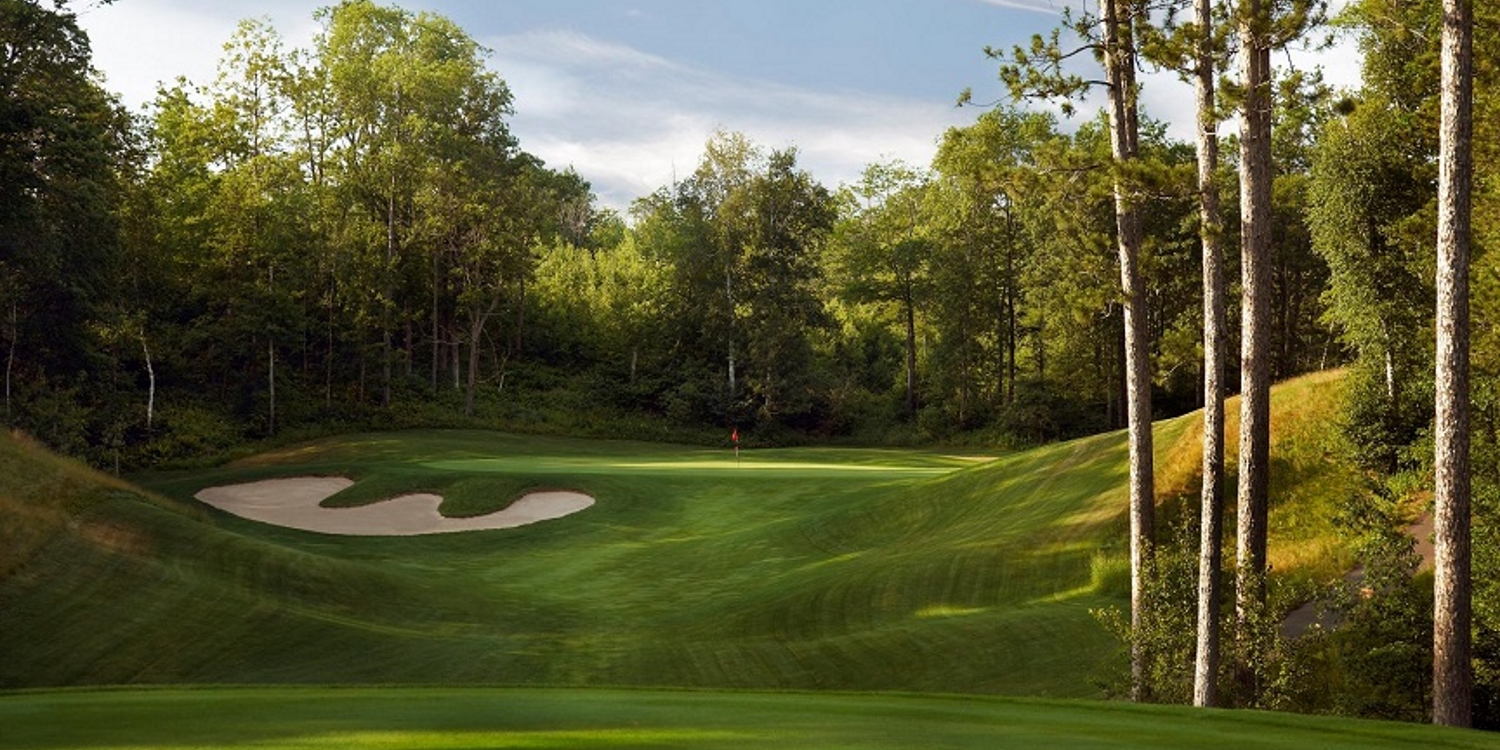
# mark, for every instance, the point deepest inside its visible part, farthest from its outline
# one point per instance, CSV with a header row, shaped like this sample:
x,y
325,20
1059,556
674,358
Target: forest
x,y
349,236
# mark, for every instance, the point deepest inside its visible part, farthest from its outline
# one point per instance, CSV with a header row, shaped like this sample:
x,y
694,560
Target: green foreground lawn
x,y
558,718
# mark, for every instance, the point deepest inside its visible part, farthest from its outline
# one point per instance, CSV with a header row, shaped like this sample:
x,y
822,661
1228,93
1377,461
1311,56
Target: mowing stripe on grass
x,y
434,718
685,466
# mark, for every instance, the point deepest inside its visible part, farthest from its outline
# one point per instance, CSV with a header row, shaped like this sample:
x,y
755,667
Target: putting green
x,y
727,468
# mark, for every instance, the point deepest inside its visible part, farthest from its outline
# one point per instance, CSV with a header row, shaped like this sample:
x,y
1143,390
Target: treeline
x,y
349,234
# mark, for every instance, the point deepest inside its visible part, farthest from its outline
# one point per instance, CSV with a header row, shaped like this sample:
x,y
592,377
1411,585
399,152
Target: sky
x,y
627,92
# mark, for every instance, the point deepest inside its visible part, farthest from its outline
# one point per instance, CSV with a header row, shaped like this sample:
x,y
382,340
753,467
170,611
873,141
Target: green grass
x,y
582,718
850,569
795,569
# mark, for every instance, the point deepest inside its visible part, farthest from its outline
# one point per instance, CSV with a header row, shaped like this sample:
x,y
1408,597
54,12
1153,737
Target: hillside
x,y
810,568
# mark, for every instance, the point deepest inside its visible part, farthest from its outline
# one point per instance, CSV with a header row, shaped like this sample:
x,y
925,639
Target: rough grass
x,y
473,718
1310,476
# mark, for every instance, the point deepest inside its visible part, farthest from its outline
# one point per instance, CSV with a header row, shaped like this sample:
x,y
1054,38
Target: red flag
x,y
736,436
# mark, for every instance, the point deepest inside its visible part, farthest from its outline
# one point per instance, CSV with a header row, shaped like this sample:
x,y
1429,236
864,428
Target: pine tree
x,y
1452,671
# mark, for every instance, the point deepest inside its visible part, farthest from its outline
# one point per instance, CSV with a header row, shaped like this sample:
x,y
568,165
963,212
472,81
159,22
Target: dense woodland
x,y
349,236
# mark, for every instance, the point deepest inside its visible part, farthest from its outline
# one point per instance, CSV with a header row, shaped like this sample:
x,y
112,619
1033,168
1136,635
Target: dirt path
x,y
294,503
1304,617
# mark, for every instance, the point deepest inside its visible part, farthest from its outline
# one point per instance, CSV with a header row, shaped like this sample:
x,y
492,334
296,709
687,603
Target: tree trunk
x,y
477,321
271,361
1010,345
1452,669
1010,303
1255,307
271,383
455,347
911,358
1120,70
328,362
437,286
390,293
1211,513
10,355
519,339
729,296
476,330
363,371
150,383
1392,391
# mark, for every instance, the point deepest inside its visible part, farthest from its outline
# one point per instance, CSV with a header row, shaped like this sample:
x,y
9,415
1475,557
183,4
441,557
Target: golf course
x,y
745,374
828,597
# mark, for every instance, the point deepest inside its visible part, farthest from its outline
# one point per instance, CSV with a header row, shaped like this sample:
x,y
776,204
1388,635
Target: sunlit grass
x,y
815,568
442,719
726,467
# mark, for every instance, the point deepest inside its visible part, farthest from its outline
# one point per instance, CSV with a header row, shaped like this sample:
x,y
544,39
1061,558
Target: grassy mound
x,y
808,568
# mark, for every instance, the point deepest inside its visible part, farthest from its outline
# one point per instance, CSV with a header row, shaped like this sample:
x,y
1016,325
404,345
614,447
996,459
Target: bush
x,y
55,416
189,434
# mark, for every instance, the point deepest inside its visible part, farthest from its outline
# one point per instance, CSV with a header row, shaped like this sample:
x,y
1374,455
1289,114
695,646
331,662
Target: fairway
x,y
812,568
441,718
619,457
749,467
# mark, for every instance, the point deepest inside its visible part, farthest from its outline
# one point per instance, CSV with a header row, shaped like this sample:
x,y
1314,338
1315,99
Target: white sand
x,y
294,503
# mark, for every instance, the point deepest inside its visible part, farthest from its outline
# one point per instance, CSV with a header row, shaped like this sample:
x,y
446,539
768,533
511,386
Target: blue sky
x,y
627,91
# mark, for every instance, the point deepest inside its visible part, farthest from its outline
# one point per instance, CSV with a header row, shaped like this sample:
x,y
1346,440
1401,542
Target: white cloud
x,y
627,120
1036,6
142,43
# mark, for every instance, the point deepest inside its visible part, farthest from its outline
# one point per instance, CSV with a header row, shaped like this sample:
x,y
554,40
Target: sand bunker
x,y
294,503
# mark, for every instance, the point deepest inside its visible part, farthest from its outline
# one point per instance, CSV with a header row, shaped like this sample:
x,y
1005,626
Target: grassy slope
x,y
808,568
1309,476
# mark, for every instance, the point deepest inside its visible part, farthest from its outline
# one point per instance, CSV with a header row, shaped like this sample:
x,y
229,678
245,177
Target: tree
x,y
1194,49
885,257
1215,348
258,207
1452,676
600,305
718,197
63,146
981,208
1038,72
402,88
1259,29
1366,196
1253,26
1072,318
743,237
1301,338
793,217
